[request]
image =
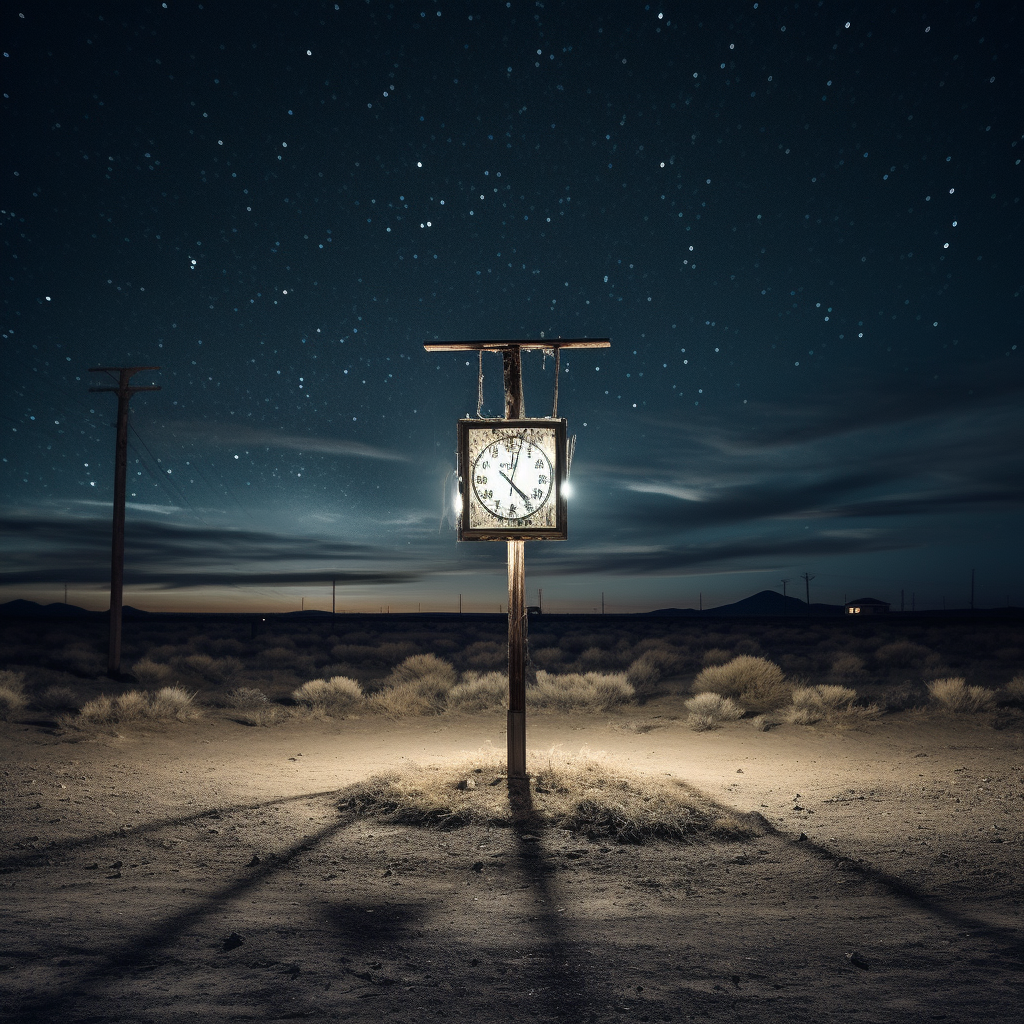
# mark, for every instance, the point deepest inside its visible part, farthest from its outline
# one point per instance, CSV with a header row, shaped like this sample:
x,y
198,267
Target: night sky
x,y
799,224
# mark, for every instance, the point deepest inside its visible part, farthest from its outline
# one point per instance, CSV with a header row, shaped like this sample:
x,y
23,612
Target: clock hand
x,y
509,479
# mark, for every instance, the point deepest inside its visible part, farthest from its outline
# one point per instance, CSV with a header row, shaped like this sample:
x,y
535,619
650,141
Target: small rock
x,y
114,874
739,771
527,837
478,866
857,960
797,807
91,867
740,858
233,941
255,860
466,784
387,873
117,864
496,782
802,838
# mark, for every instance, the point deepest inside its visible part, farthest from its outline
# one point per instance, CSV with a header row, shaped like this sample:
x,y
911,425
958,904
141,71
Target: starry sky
x,y
798,223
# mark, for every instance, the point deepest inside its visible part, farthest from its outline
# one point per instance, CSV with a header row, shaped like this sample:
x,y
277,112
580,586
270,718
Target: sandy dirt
x,y
204,872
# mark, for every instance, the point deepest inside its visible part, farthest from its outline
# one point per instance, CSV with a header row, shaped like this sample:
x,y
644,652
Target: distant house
x,y
867,606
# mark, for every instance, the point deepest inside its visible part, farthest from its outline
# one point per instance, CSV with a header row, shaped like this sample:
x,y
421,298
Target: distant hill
x,y
767,602
55,610
59,610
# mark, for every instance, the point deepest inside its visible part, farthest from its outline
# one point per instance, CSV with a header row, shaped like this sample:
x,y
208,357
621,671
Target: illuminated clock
x,y
511,474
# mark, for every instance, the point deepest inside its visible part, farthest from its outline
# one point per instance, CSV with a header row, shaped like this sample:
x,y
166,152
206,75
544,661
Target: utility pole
x,y
602,602
460,604
807,577
334,584
784,582
124,392
540,600
65,593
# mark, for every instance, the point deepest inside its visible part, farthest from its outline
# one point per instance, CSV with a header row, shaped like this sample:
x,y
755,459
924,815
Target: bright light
x,y
567,489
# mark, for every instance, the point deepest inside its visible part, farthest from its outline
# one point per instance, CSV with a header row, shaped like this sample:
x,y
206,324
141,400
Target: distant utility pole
x,y
540,600
807,577
334,585
784,582
460,604
124,392
602,602
65,593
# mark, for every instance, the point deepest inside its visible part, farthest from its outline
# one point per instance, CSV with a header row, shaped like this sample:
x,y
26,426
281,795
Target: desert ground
x,y
211,869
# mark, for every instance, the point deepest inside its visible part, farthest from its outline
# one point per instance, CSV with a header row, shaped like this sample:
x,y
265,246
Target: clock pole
x,y
512,365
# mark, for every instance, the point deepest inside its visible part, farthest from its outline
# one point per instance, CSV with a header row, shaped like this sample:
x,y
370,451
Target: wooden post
x,y
516,659
512,365
124,393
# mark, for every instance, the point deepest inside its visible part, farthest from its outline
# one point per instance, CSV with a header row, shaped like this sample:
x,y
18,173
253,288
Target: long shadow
x,y
564,990
12,862
141,948
896,886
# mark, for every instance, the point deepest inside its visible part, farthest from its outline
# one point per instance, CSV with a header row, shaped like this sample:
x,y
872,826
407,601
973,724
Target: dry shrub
x,y
485,654
423,667
246,698
580,691
252,707
715,656
168,704
334,697
1014,689
649,669
211,670
955,695
708,710
576,793
152,673
755,683
901,654
57,698
12,700
479,692
419,686
547,657
173,704
831,704
847,668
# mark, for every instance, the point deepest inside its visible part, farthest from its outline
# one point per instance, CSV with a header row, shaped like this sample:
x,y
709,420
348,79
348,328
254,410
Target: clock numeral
x,y
487,494
511,510
542,479
481,479
539,464
538,494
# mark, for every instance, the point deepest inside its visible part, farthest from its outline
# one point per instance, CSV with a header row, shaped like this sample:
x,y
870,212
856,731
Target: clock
x,y
511,474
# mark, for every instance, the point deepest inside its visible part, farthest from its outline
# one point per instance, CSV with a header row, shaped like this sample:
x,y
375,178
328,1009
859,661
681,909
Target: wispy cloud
x,y
239,434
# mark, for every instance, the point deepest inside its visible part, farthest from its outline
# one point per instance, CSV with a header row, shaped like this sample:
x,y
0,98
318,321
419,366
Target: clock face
x,y
511,484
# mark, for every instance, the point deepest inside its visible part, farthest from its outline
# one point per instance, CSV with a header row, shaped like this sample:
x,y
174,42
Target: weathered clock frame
x,y
472,511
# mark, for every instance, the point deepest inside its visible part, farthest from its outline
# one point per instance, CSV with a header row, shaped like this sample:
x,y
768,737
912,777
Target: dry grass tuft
x,y
715,656
830,704
1014,689
57,698
12,700
152,673
576,793
168,704
419,686
955,695
708,710
647,670
334,697
478,692
757,684
580,691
